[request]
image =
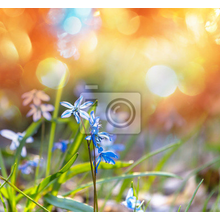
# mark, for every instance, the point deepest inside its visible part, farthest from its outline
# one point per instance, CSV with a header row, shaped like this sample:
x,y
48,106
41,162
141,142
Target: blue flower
x,y
105,156
16,138
131,202
109,145
96,136
94,121
62,145
76,109
27,167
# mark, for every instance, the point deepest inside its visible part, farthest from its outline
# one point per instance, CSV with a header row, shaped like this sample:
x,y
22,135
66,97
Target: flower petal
x,y
88,138
24,152
8,134
98,160
42,95
105,135
57,145
32,111
86,105
30,140
66,114
67,105
36,116
108,159
47,115
76,117
28,94
84,114
130,193
78,101
36,101
92,115
110,154
13,146
96,122
47,107
27,100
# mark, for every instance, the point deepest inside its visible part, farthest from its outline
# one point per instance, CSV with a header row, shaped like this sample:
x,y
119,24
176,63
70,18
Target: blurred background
x,y
169,56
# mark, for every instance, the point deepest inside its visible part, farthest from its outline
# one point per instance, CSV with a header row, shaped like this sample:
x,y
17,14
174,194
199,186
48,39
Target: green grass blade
x,y
18,190
2,165
179,209
194,194
161,164
67,203
49,179
194,172
207,200
3,202
119,178
147,156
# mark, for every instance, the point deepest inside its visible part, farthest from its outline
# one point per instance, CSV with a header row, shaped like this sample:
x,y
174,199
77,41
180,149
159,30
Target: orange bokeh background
x,y
115,49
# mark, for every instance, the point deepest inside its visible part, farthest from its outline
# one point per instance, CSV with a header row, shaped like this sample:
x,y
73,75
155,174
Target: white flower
x,y
76,109
40,111
36,96
16,138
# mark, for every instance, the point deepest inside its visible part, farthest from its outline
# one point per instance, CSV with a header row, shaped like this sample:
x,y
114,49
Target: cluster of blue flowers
x,y
77,110
103,142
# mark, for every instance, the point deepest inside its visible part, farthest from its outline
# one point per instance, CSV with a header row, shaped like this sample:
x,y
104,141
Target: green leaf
x,y
124,176
18,190
45,182
49,179
67,203
85,167
2,165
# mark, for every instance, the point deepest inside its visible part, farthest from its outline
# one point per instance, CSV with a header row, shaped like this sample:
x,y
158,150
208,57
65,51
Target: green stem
x,y
95,191
18,190
3,202
41,149
53,129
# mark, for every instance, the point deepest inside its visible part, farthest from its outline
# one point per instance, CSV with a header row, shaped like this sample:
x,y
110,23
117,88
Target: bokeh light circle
x,y
161,80
83,12
52,73
72,25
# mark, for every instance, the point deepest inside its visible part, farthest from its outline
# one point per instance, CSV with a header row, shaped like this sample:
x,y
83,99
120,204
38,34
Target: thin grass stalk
x,y
18,190
53,125
41,149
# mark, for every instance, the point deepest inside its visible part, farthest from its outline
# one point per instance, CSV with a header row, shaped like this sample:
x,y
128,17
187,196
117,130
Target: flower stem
x,y
95,191
93,176
41,149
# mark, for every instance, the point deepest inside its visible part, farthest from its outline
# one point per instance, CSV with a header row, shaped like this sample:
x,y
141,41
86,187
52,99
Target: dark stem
x,y
90,159
97,208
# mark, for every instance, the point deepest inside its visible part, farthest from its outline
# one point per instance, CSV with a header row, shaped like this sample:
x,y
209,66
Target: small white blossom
x,y
40,111
36,96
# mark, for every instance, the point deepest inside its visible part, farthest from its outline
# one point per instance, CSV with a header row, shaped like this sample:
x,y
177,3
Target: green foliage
x,y
67,203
